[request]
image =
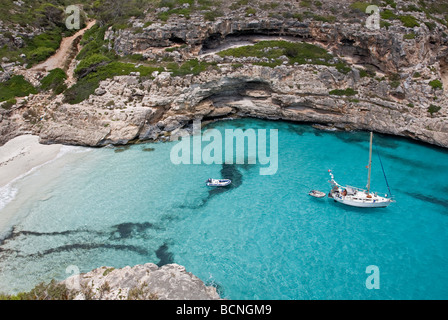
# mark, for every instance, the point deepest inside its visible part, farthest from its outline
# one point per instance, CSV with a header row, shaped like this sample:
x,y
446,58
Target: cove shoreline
x,y
23,153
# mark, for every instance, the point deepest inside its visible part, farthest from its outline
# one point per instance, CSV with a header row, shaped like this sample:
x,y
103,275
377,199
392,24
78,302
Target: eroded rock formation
x,y
128,108
141,282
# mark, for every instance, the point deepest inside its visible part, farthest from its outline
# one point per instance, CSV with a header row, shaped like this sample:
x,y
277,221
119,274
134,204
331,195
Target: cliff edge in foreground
x,y
141,282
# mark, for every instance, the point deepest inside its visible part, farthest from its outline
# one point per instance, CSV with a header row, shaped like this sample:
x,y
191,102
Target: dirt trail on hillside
x,y
64,55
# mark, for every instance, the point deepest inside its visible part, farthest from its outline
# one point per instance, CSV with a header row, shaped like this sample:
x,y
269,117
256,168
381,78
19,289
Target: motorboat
x,y
218,182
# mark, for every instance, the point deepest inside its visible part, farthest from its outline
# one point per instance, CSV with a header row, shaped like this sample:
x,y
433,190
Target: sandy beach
x,y
21,154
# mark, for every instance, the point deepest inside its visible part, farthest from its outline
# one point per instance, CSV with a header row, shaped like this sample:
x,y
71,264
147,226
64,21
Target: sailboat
x,y
357,197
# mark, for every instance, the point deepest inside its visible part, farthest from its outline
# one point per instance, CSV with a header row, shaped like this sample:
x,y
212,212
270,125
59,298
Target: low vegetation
x,y
209,8
55,80
17,86
433,109
54,290
293,52
87,85
97,63
193,67
9,103
436,84
49,17
43,291
344,92
359,6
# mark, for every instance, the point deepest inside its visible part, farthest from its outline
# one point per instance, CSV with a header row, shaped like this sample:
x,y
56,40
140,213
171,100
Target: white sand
x,y
21,154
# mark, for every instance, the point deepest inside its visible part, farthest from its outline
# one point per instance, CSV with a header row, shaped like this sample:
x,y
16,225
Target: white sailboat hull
x,y
357,197
363,203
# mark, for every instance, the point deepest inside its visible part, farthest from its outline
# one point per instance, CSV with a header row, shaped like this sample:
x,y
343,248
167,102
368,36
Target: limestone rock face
x,y
123,109
169,282
397,99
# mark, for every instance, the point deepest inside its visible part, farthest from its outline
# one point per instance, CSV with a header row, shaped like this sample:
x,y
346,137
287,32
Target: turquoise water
x,y
263,238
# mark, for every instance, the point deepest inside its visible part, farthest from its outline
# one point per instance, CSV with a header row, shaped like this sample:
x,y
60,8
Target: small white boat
x,y
316,194
218,182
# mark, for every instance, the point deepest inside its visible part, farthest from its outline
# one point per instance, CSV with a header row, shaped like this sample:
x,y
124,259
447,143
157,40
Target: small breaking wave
x,y
9,191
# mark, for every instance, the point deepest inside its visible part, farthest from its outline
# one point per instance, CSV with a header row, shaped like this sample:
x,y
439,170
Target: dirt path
x,y
59,59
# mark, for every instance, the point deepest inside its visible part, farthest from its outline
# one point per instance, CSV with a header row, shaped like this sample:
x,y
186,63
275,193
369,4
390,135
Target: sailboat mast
x,y
370,162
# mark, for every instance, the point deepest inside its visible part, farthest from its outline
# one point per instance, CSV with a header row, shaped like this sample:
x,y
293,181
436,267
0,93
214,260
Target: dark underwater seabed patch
x,y
165,256
122,148
228,171
79,246
15,234
438,201
416,164
90,246
299,129
128,230
119,232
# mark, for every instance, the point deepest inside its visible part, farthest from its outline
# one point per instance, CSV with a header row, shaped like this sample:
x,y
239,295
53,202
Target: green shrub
x,y
394,77
250,11
192,66
44,291
433,109
305,3
343,68
174,3
9,103
436,84
324,18
388,15
385,24
409,36
431,25
412,7
394,84
435,7
91,61
359,6
164,16
211,15
346,92
40,54
409,21
17,86
289,15
54,81
391,3
366,73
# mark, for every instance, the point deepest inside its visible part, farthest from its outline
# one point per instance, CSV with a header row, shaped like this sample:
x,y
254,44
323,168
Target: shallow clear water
x,y
262,238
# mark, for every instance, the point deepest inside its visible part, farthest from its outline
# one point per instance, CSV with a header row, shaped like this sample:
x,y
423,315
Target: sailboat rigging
x,y
357,197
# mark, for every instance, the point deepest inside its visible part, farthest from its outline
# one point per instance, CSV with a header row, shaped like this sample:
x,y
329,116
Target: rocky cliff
x,y
141,282
392,80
